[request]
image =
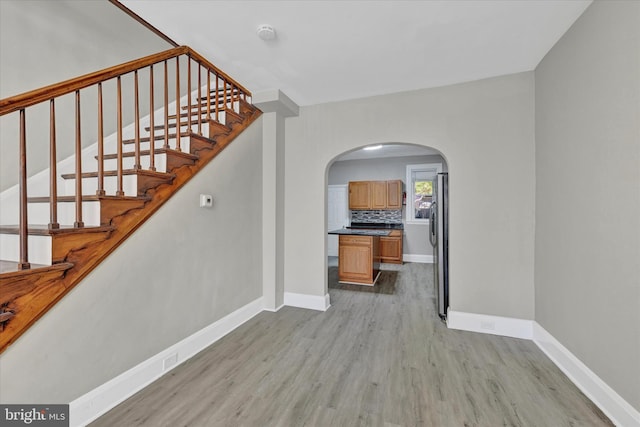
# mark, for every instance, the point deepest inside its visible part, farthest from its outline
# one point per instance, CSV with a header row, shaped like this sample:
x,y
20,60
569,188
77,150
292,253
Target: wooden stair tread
x,y
9,269
194,112
203,104
220,95
221,90
155,137
77,251
156,151
143,172
86,198
172,125
43,229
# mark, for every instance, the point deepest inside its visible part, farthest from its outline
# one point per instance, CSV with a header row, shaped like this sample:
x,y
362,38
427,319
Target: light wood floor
x,y
370,360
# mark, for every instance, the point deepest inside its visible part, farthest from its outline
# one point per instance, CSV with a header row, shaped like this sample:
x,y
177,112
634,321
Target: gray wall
x,y
587,255
484,130
415,241
182,270
196,264
44,42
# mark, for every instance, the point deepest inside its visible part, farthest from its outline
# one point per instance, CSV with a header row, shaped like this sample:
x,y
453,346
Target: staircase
x,y
58,228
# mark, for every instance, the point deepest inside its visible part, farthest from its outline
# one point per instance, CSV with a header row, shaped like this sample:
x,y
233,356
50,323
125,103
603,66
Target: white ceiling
x,y
334,50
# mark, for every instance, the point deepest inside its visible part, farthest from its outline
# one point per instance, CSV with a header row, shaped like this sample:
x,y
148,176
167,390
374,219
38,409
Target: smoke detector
x,y
266,32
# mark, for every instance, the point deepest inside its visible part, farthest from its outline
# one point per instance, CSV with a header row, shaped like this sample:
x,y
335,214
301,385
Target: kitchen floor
x,y
332,261
370,360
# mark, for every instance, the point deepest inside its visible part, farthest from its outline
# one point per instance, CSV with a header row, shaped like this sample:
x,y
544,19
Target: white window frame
x,y
409,219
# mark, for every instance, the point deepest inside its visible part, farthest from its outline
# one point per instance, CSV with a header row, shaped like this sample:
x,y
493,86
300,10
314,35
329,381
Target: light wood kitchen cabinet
x,y
375,195
360,195
359,259
391,247
394,194
378,194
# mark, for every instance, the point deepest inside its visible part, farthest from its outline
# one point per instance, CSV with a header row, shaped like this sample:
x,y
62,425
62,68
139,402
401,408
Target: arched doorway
x,y
415,166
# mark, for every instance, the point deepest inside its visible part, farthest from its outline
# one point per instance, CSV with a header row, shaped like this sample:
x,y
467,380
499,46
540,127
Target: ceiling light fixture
x,y
266,32
373,147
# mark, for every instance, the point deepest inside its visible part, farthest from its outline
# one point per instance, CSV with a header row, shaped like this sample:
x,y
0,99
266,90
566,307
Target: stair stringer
x,y
30,306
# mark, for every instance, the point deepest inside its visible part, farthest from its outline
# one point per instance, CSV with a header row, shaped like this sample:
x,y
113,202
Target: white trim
x,y
409,219
273,310
313,302
332,240
275,101
98,401
424,259
494,325
619,411
93,404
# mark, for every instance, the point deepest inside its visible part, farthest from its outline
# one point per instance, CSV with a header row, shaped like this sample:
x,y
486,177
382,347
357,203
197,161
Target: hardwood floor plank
x,y
370,360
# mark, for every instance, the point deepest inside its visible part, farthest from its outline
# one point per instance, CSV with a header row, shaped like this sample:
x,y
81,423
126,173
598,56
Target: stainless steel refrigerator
x,y
439,236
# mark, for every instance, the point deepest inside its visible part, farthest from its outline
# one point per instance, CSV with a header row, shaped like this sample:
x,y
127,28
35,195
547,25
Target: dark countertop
x,y
353,232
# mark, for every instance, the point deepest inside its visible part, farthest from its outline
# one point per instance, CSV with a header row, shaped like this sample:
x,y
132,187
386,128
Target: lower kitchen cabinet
x,y
391,247
359,259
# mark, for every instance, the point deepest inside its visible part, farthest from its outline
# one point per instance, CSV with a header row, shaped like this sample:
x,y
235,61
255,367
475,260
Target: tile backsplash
x,y
377,216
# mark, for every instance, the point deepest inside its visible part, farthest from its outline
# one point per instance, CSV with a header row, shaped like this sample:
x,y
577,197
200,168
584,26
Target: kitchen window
x,y
420,179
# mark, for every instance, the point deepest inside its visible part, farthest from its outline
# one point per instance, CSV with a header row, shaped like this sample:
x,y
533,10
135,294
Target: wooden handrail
x,y
27,99
75,247
225,87
195,55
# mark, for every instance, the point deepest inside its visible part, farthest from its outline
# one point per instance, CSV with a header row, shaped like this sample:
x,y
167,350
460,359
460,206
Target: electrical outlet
x,y
206,200
168,362
488,325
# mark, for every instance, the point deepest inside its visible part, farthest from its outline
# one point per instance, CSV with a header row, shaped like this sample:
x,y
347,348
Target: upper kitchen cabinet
x,y
360,195
378,194
394,194
375,195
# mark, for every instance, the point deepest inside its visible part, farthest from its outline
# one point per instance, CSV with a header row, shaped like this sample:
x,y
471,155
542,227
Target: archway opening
x,y
415,167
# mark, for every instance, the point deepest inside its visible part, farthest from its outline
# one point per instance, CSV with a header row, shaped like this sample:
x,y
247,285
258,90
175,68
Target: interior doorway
x,y
337,214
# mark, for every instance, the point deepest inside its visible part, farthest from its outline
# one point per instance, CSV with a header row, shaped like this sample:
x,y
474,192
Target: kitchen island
x,y
359,255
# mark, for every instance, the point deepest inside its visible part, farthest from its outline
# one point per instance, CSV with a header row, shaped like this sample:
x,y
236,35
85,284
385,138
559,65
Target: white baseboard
x,y
273,310
313,302
619,411
424,259
98,401
93,404
495,325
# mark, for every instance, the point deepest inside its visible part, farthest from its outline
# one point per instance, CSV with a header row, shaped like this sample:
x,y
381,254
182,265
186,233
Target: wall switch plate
x,y
206,200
